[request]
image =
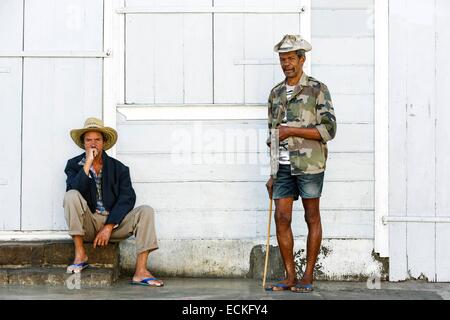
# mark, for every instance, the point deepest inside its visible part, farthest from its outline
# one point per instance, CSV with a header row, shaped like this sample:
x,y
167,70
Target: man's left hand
x,y
285,133
103,236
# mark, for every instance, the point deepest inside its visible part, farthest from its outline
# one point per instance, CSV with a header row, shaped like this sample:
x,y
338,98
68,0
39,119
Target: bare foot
x,y
80,258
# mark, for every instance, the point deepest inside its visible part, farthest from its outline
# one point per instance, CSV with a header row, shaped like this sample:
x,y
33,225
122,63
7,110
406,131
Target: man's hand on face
x,y
103,235
91,153
284,133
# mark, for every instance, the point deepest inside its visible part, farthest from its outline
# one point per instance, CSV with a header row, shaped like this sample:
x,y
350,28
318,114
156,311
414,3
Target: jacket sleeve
x,y
326,120
76,178
125,200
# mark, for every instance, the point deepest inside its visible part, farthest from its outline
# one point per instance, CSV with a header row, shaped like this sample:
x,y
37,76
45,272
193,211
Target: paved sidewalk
x,y
231,289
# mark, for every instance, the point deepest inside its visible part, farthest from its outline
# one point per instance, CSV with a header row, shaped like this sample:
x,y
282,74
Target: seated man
x,y
99,202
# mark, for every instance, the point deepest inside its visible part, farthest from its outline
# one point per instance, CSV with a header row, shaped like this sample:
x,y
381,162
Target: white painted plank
x,y
64,25
155,168
10,130
329,23
350,109
140,59
213,196
228,46
66,92
258,78
11,25
345,79
253,224
397,136
168,58
342,4
343,51
220,136
442,134
198,58
167,3
421,150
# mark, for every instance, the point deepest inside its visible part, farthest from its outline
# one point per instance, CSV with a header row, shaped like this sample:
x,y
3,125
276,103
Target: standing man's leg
x,y
310,187
312,218
285,238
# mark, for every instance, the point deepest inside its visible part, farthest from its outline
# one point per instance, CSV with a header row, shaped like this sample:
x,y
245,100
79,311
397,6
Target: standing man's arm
x,y
325,130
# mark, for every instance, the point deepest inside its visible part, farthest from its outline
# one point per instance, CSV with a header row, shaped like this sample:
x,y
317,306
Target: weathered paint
x,y
338,260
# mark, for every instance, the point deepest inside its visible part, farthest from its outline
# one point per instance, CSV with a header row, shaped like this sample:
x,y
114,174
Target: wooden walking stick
x,y
267,243
274,165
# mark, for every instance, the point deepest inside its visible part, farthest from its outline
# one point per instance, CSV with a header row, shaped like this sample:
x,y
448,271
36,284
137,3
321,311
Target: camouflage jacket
x,y
309,107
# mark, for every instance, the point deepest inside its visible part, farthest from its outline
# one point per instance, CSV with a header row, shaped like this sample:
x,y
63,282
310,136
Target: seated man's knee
x,y
71,195
147,211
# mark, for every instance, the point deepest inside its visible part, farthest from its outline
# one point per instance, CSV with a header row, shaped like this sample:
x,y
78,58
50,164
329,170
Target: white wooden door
x,y
47,88
11,113
419,133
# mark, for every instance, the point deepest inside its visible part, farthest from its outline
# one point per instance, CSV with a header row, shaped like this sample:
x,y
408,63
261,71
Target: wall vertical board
x,y
198,59
60,99
140,59
169,62
397,140
421,110
228,47
442,145
11,18
11,25
10,144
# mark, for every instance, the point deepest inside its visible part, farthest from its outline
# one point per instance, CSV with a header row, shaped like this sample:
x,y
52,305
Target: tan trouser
x,y
139,222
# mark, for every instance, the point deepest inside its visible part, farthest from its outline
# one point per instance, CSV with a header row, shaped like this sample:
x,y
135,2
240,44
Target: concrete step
x,y
90,277
54,254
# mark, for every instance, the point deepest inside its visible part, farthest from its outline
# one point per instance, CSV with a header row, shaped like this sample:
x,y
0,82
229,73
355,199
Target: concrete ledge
x,y
54,253
93,277
346,259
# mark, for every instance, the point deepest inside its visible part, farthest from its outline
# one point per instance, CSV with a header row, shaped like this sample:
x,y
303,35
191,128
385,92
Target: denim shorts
x,y
307,186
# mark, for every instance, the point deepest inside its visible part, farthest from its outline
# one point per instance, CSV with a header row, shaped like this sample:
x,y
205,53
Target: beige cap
x,y
292,43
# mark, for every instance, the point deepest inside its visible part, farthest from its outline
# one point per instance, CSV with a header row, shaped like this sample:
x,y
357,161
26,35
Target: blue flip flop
x,y
283,287
77,268
303,288
145,281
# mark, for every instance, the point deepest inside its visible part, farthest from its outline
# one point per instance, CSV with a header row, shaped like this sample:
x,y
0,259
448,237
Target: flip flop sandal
x,y
303,288
283,287
145,282
77,268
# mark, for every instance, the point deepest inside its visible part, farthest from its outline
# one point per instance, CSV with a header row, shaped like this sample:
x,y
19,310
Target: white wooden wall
x,y
216,199
219,191
419,149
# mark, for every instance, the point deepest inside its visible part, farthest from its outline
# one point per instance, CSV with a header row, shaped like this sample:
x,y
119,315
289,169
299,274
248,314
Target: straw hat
x,y
292,43
96,125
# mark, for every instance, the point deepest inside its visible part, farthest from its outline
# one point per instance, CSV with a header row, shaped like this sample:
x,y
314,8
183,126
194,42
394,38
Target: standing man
x,y
301,108
99,202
